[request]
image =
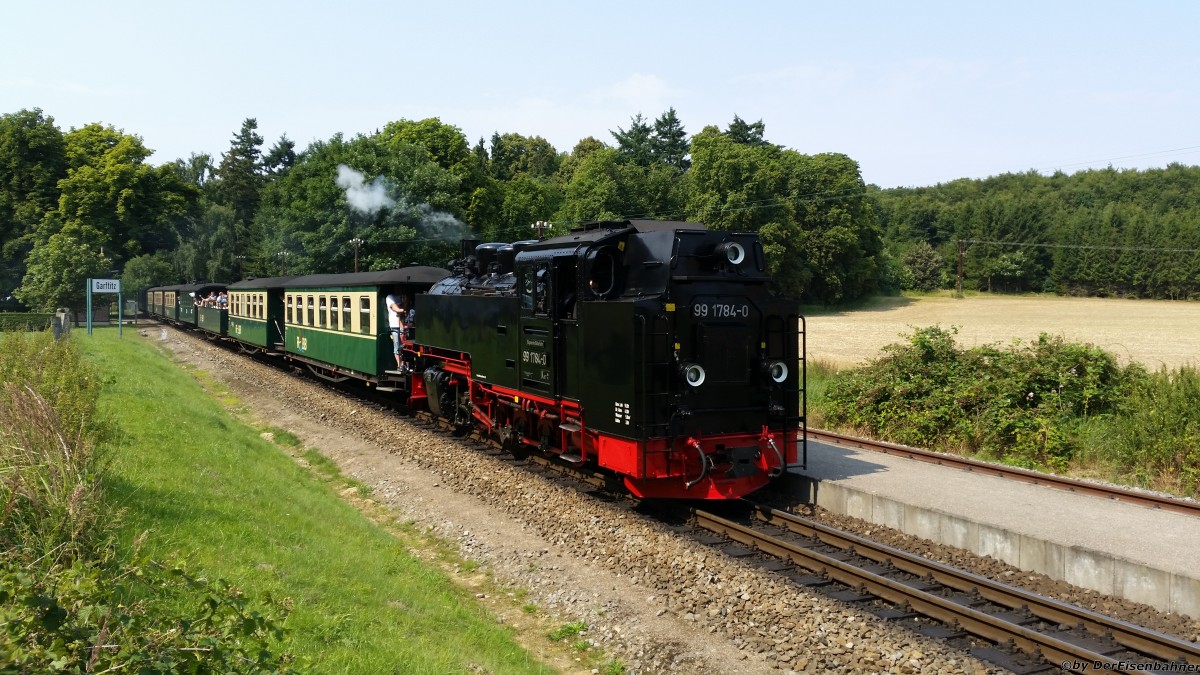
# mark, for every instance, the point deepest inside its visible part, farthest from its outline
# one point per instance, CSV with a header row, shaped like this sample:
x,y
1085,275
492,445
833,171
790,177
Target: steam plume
x,y
366,198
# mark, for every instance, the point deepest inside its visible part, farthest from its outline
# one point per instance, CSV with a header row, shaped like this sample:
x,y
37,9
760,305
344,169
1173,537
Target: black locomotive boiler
x,y
651,349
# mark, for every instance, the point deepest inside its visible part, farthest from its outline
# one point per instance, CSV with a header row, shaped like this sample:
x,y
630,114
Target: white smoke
x,y
441,225
366,198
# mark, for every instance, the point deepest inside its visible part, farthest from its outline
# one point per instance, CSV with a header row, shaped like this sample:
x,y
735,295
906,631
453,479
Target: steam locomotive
x,y
650,350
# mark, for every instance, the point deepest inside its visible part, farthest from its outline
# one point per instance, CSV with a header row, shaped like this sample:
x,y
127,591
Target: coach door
x,y
536,360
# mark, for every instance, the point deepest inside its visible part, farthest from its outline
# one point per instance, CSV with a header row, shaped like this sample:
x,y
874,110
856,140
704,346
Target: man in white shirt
x,y
396,324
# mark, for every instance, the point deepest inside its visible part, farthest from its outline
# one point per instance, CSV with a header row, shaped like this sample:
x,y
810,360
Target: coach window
x,y
334,313
346,314
312,311
321,311
260,303
289,314
364,314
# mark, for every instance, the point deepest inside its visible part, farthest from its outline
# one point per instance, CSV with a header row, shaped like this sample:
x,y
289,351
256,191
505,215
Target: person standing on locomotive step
x,y
396,324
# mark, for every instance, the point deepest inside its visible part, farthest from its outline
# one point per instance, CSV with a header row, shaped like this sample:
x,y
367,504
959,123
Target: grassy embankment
x,y
212,492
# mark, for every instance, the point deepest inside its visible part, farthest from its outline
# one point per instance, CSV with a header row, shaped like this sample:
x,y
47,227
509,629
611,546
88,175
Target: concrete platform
x,y
1135,552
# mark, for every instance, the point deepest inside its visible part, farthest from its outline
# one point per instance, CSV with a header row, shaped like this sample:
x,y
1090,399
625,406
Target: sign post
x,y
103,286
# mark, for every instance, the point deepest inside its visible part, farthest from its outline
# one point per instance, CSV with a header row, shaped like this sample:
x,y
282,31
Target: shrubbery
x,y
26,321
1020,404
1046,404
1156,439
70,599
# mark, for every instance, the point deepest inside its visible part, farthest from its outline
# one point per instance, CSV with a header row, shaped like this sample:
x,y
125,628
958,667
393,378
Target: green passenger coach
x,y
338,324
256,312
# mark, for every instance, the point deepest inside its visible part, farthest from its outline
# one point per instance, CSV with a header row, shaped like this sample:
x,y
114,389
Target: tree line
x,y
88,202
1102,232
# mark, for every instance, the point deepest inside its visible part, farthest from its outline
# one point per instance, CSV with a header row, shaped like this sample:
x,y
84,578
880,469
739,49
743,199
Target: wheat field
x,y
1156,333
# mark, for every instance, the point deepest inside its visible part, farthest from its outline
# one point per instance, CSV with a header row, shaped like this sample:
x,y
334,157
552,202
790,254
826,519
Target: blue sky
x,y
917,92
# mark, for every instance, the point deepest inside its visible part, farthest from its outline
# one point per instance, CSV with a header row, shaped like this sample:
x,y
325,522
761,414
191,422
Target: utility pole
x,y
357,242
958,283
283,255
541,226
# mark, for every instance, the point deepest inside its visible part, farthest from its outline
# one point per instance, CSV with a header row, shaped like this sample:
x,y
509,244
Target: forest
x,y
89,202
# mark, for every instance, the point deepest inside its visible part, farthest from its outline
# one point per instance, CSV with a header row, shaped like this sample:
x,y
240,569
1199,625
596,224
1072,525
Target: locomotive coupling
x,y
770,439
705,463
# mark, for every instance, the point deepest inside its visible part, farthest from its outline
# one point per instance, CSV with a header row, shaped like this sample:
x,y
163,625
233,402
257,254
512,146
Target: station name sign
x,y
106,285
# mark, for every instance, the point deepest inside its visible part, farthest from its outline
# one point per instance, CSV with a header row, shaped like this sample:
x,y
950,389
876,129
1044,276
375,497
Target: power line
x,y
1144,155
1030,244
769,203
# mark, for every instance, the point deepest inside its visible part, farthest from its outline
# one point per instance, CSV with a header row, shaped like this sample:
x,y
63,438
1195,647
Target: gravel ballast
x,y
652,599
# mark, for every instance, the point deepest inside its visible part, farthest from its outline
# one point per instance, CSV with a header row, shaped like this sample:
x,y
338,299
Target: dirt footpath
x,y
1153,332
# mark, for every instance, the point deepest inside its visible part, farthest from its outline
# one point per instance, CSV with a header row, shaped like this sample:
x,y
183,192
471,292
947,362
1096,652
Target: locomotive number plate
x,y
721,310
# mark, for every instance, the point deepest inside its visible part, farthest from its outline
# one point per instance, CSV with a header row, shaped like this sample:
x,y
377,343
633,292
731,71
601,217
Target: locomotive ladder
x,y
655,379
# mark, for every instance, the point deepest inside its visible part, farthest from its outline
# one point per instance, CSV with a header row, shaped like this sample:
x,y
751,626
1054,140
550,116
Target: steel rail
x,y
1055,649
1011,473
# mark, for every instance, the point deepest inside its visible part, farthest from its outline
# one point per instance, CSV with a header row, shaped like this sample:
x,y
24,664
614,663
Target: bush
x,y
12,321
106,613
924,266
1156,439
48,439
1022,404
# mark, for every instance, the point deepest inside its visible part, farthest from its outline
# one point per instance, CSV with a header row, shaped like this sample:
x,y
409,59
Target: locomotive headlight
x,y
693,374
777,371
732,251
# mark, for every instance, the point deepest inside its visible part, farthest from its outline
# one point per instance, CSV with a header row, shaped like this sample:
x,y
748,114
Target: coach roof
x,y
264,283
405,275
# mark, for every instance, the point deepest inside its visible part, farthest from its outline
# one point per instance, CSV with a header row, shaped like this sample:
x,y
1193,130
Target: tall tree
x,y
241,172
137,208
197,169
60,266
634,145
746,134
514,154
33,159
669,144
145,271
281,156
812,212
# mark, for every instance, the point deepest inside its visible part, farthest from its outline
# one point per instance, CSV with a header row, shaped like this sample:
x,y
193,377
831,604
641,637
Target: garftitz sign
x,y
106,285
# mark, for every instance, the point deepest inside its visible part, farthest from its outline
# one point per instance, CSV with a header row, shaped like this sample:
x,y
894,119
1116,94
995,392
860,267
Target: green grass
x,y
209,488
567,630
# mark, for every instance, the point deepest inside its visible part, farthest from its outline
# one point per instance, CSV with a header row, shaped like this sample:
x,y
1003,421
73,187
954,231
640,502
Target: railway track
x,y
1021,631
1184,506
1049,633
